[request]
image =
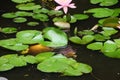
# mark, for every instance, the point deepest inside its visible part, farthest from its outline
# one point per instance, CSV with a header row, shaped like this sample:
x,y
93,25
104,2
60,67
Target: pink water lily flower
x,y
65,4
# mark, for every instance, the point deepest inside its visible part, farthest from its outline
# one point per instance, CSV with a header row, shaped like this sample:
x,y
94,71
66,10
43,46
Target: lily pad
x,y
12,44
43,56
21,1
41,17
75,39
104,2
81,16
33,23
23,13
29,37
19,20
55,37
6,67
95,46
9,15
28,6
100,12
8,30
87,39
109,46
61,64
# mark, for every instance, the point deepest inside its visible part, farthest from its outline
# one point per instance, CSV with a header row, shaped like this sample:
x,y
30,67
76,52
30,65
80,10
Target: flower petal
x,y
65,9
58,7
63,2
72,5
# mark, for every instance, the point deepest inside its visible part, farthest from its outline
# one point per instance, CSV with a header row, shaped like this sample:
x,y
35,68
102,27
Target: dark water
x,y
104,68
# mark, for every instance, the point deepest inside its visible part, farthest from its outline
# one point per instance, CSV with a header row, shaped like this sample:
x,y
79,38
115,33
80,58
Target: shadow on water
x,y
104,68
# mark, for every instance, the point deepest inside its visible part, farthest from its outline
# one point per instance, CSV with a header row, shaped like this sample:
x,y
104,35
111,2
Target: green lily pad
x,y
12,44
32,23
6,67
61,64
30,59
41,17
56,37
8,30
81,16
19,20
115,54
21,1
100,12
43,10
28,6
29,37
108,31
55,12
100,37
43,56
117,41
95,46
109,46
85,32
87,39
23,13
75,39
104,2
9,15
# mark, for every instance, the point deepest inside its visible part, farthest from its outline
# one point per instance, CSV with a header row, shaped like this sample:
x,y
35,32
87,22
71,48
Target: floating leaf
x,y
61,64
101,12
17,61
116,12
41,17
32,23
111,22
28,6
43,56
104,2
19,20
59,19
9,15
30,59
87,39
75,39
81,16
23,13
109,46
85,32
56,37
72,19
108,31
117,41
8,30
6,67
21,1
95,46
29,37
43,10
12,44
55,12
115,54
100,37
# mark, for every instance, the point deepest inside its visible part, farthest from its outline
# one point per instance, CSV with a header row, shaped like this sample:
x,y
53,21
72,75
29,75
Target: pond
x,y
104,68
